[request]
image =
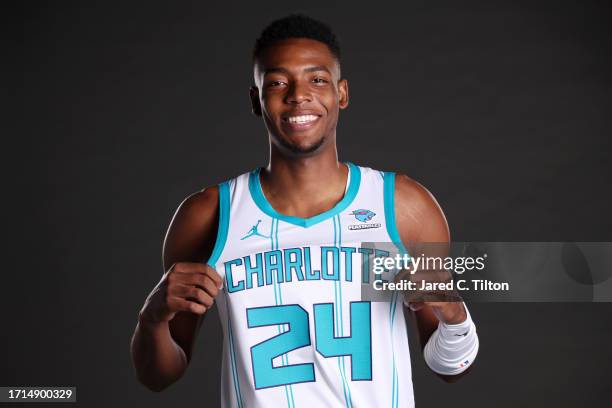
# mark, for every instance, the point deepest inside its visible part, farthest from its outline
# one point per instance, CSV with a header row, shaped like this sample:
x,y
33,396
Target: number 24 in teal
x,y
358,345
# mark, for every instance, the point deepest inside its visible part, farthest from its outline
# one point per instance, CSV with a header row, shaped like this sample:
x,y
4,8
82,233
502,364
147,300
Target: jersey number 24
x,y
358,346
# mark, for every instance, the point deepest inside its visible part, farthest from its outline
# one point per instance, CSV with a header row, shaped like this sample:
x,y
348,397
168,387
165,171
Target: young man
x,y
283,257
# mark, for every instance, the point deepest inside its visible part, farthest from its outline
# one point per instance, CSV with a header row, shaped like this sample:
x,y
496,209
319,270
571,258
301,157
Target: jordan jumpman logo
x,y
253,231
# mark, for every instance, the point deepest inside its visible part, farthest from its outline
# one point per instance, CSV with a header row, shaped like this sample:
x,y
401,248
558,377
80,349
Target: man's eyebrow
x,y
273,70
282,70
317,68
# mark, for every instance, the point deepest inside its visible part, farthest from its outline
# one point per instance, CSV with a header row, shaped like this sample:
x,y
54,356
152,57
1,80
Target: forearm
x,y
157,359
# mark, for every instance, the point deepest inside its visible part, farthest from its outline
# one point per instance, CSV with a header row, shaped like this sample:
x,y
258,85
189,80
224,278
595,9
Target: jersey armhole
x,y
389,198
222,228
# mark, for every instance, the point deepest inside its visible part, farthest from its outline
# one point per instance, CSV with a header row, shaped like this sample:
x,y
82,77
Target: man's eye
x,y
319,81
276,83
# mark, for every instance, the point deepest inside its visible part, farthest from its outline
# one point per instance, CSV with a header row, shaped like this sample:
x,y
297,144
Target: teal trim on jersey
x,y
222,229
394,386
348,400
389,198
262,202
278,300
233,361
224,220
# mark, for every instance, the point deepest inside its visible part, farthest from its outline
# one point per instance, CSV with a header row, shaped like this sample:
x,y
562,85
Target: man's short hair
x,y
296,26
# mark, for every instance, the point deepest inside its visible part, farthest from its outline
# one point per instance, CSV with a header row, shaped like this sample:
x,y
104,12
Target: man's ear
x,y
343,94
255,105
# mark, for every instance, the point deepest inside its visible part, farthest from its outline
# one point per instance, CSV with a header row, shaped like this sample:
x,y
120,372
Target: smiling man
x,y
279,250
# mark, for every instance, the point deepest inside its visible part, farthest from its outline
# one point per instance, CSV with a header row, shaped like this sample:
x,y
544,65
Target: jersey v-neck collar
x,y
264,205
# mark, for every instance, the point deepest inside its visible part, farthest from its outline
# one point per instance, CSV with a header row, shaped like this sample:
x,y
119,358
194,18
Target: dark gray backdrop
x,y
500,108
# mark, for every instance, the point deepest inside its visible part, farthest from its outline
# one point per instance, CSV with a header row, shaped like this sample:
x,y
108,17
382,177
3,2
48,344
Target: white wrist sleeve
x,y
452,348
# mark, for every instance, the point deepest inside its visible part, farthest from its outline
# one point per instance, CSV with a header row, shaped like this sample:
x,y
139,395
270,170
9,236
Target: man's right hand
x,y
185,287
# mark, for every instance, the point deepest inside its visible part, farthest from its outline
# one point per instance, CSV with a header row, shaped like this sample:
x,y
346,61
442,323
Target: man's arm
x,y
420,219
162,344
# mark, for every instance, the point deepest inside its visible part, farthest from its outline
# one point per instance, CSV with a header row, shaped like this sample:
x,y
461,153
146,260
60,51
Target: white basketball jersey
x,y
296,330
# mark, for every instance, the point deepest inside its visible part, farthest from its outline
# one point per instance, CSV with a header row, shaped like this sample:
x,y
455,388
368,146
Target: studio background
x,y
501,109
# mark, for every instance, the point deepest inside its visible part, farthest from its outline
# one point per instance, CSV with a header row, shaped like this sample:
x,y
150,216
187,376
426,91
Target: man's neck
x,y
304,187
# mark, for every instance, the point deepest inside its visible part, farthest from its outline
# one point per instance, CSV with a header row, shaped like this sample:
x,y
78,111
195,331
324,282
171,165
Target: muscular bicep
x,y
420,220
419,216
190,238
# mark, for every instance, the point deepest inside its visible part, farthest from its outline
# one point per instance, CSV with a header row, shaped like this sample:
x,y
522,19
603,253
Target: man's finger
x,y
199,268
189,267
193,293
212,273
210,286
184,305
191,278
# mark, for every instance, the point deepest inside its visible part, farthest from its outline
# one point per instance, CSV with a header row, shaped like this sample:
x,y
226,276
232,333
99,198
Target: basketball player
x,y
278,249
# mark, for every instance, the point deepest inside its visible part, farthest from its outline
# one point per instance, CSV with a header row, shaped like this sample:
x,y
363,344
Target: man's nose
x,y
298,93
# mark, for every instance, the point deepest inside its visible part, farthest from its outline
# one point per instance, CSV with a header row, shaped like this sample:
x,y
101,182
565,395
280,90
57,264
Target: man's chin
x,y
302,149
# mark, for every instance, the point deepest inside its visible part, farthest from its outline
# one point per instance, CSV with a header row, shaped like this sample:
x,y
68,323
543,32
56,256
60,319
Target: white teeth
x,y
301,119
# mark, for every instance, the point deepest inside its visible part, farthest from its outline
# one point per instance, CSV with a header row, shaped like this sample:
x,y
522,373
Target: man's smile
x,y
300,121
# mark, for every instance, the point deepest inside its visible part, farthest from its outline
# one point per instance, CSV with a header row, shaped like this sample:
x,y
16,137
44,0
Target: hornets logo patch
x,y
364,216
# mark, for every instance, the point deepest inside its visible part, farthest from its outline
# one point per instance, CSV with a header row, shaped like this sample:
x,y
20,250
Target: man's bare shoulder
x,y
192,231
418,214
201,203
409,192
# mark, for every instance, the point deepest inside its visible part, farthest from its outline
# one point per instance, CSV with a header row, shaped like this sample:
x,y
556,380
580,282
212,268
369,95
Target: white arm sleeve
x,y
452,348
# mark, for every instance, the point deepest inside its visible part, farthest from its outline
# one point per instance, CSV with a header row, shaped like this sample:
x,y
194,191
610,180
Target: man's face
x,y
299,93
